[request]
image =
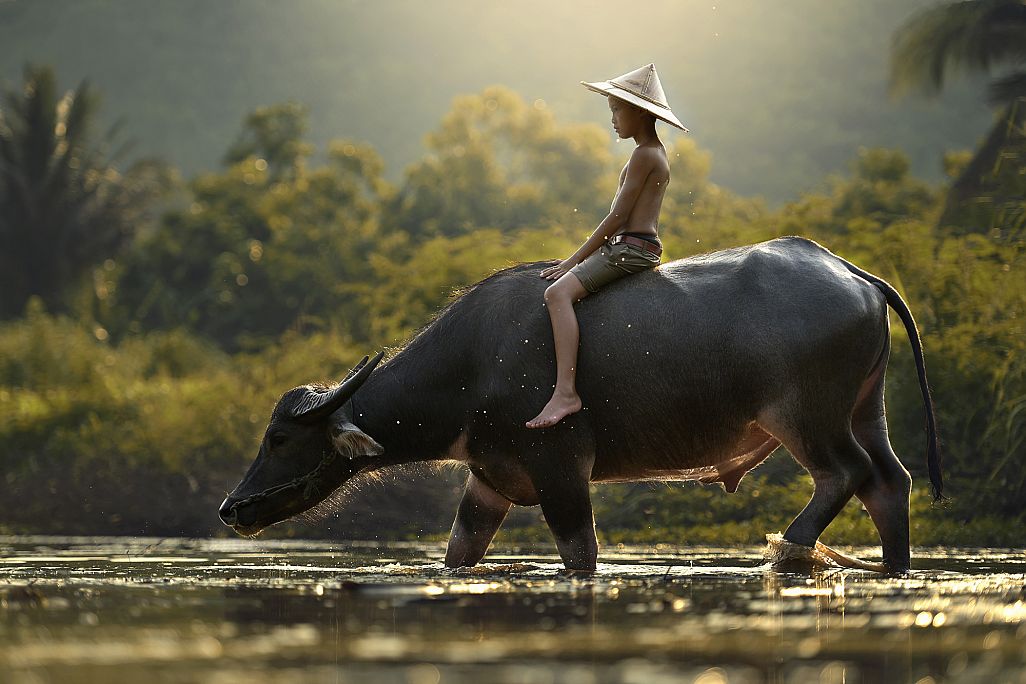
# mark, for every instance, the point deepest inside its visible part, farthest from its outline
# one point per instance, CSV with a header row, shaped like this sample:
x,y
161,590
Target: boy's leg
x,y
560,298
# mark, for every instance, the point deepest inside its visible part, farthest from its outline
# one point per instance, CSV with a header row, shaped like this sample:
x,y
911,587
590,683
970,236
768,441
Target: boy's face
x,y
627,119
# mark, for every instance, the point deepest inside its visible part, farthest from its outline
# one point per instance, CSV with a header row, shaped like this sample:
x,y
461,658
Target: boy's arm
x,y
639,166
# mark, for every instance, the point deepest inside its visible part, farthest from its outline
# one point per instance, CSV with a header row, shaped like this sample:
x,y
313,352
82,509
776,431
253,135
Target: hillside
x,y
781,93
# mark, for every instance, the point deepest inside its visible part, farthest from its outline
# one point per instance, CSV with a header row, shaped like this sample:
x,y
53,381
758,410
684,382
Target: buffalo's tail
x,y
933,456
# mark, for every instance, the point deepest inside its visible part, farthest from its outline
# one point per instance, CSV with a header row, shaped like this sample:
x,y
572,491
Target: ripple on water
x,y
80,609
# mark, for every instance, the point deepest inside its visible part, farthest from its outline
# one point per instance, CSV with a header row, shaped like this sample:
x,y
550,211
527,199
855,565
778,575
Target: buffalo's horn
x,y
356,368
316,405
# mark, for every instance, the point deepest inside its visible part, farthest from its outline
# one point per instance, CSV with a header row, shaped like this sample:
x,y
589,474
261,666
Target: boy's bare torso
x,y
635,210
644,215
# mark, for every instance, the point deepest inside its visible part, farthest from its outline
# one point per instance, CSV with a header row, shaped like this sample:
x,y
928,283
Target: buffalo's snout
x,y
229,516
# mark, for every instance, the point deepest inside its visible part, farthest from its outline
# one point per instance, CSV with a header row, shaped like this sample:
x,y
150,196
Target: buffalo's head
x,y
308,450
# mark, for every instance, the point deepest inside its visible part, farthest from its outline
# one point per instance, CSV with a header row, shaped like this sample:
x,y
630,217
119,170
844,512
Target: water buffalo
x,y
697,370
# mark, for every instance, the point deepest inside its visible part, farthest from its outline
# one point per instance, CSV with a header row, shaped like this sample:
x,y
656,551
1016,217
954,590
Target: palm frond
x,y
81,111
38,121
1007,88
967,36
63,205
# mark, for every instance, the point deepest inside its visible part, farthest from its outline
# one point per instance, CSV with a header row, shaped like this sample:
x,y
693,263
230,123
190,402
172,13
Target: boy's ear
x,y
349,441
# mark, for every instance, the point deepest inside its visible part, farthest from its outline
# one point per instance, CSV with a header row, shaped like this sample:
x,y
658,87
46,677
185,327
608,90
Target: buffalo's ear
x,y
351,442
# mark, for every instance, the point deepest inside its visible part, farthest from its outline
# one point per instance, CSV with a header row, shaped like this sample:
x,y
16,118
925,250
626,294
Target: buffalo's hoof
x,y
785,556
803,566
577,572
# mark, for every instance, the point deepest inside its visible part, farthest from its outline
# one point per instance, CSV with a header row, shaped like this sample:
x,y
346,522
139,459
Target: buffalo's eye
x,y
278,438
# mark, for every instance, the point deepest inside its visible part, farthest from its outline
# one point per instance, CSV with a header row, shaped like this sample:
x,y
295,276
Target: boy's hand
x,y
557,271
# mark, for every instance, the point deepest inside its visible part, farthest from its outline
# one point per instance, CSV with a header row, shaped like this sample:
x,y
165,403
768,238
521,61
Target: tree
x,y
64,207
973,36
265,246
497,162
977,289
275,135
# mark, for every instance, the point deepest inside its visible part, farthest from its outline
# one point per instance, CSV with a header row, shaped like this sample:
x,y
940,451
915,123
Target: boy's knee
x,y
554,293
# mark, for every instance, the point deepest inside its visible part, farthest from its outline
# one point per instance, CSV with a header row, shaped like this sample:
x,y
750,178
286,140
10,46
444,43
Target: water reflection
x,y
100,610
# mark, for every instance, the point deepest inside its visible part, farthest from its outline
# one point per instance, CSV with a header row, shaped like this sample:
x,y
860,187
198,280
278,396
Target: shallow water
x,y
88,610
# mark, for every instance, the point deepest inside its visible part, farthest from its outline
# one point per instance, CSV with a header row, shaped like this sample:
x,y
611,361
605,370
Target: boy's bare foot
x,y
559,407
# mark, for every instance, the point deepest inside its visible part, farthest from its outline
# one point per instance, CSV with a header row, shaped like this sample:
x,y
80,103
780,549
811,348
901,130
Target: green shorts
x,y
607,264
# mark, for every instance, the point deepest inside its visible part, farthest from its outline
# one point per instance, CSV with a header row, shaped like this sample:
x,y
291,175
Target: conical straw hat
x,y
641,88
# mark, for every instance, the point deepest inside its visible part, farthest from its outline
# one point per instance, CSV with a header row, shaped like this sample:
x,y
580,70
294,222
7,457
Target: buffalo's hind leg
x,y
478,518
885,493
839,467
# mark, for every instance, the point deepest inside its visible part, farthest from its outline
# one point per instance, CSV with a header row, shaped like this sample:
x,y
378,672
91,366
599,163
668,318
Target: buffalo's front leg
x,y
480,514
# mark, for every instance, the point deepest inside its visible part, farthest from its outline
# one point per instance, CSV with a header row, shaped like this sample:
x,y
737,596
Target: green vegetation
x,y
973,36
133,391
781,93
63,205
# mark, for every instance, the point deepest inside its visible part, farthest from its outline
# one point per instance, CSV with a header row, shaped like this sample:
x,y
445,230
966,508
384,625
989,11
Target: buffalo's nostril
x,y
227,513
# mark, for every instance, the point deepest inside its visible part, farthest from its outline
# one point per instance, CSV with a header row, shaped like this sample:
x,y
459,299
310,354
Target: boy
x,y
626,240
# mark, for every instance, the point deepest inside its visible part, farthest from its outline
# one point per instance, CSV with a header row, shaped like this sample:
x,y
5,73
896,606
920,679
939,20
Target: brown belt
x,y
646,245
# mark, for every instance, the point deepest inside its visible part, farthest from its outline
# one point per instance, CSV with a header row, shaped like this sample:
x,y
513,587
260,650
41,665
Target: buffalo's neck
x,y
414,406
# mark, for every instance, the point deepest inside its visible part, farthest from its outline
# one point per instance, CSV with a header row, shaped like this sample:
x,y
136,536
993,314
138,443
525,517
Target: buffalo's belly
x,y
709,473
724,460
507,477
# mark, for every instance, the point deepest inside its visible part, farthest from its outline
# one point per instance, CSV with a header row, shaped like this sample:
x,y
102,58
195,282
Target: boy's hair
x,y
634,106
